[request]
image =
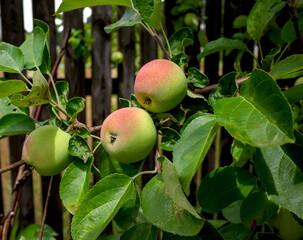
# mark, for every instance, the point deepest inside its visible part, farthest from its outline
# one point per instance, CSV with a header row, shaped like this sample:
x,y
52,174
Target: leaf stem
x,y
55,89
145,172
254,57
96,137
95,149
260,49
285,48
56,105
167,42
26,79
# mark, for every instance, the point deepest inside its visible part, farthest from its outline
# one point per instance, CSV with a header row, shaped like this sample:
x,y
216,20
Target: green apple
x,y
117,57
191,19
160,85
289,228
128,134
46,149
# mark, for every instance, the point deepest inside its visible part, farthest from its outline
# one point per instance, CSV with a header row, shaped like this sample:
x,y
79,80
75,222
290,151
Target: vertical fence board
x,y
102,85
13,33
148,47
126,70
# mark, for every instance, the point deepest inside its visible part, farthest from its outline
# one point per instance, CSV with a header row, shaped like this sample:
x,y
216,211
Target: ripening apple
x,y
289,228
128,134
160,85
46,149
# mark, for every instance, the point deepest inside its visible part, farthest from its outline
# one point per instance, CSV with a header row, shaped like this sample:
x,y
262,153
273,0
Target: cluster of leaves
x,y
259,116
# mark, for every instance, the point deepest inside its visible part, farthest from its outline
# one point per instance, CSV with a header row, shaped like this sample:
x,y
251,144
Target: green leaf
x,y
227,84
38,95
68,5
240,21
190,151
7,107
134,101
220,45
128,212
74,106
197,78
129,18
10,87
241,153
170,236
143,231
266,62
161,210
232,212
78,147
287,66
223,186
180,39
32,231
174,188
235,232
181,59
63,91
75,184
150,11
108,165
15,124
288,32
169,138
11,58
259,16
257,207
33,48
209,231
294,94
261,116
124,102
280,172
100,205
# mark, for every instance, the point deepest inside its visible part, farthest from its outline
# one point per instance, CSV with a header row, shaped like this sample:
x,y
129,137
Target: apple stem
x,y
145,172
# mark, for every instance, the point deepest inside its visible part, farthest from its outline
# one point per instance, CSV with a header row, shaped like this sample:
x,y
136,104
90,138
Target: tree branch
x,y
45,207
95,129
12,166
156,37
214,86
294,17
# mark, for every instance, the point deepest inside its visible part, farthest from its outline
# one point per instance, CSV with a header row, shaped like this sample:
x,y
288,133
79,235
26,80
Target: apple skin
x,y
128,134
160,85
288,226
46,149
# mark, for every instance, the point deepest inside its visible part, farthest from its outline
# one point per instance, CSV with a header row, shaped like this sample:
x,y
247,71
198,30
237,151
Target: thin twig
x,y
214,86
95,129
253,230
156,37
294,17
45,207
56,64
12,166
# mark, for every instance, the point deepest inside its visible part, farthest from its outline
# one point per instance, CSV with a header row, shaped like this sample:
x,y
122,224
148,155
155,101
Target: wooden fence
x,y
99,88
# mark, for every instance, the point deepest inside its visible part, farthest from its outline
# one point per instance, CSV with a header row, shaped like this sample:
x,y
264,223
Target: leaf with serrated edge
x,y
191,149
279,171
161,210
75,184
100,205
11,58
174,189
143,231
261,116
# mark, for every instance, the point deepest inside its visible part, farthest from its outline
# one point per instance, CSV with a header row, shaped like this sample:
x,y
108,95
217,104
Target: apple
x,y
289,228
191,19
46,149
160,85
117,57
128,134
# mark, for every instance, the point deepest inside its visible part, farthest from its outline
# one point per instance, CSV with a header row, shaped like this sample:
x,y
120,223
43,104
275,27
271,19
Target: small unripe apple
x,y
117,57
160,85
46,149
191,19
289,228
128,134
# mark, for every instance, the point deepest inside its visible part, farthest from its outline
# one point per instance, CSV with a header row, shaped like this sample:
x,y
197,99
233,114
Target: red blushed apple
x,y
128,134
160,85
46,149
